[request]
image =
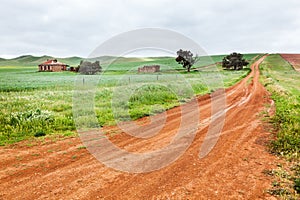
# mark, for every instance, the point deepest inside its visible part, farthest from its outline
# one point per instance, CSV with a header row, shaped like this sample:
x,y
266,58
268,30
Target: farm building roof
x,y
52,62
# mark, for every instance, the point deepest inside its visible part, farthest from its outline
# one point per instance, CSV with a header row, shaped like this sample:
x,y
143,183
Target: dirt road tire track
x,y
232,170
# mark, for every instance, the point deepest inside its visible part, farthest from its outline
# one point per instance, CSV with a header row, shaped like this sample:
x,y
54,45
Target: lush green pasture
x,y
34,102
284,83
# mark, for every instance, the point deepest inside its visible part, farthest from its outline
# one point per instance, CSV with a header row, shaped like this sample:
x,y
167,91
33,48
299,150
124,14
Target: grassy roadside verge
x,y
283,82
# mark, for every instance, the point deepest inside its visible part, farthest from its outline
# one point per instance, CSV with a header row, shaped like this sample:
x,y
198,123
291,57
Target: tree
x,y
186,59
234,60
89,68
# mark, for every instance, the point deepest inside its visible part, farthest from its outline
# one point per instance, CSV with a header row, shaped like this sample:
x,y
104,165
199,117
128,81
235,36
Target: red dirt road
x,y
293,59
232,170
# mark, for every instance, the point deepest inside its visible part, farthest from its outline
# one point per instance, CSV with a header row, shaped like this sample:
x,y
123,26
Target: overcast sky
x,y
76,27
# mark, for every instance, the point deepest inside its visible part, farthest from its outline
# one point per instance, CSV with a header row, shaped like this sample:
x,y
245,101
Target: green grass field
x,y
38,103
284,84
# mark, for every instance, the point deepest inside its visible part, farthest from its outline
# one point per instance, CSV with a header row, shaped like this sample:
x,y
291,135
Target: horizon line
x,y
11,57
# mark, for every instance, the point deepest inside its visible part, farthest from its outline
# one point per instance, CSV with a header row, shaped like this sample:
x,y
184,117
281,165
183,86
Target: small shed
x,y
52,66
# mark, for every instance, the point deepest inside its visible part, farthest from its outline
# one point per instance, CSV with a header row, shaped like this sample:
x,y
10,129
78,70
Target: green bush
x,y
297,185
39,134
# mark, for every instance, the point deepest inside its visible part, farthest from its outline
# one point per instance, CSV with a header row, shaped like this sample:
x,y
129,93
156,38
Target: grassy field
x,y
284,83
40,103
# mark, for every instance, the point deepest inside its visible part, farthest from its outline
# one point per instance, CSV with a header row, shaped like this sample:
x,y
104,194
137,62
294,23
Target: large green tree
x,y
235,61
186,59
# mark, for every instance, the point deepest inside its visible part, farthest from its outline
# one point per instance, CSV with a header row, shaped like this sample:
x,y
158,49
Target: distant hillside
x,y
29,60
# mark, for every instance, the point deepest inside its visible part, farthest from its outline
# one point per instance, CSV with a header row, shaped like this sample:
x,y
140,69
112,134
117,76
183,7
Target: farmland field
x,y
45,168
35,104
284,84
41,102
293,59
283,80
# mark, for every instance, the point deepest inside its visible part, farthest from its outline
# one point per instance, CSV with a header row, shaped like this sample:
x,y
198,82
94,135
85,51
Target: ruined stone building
x,y
149,69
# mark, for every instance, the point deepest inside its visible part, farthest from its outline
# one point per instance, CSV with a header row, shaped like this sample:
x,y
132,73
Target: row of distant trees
x,y
233,61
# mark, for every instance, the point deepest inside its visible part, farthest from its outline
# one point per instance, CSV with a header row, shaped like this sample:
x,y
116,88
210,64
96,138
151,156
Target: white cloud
x,y
66,27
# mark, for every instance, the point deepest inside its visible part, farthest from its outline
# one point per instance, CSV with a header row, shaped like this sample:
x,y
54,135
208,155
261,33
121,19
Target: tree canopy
x,y
186,59
235,61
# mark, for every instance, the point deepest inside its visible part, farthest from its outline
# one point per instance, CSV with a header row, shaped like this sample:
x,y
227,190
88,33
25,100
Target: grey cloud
x,y
66,28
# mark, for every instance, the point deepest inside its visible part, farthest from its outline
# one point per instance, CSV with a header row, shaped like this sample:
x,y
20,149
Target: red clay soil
x,y
232,170
293,59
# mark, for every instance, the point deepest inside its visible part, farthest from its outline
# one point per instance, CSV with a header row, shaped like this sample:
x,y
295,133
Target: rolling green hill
x,y
29,60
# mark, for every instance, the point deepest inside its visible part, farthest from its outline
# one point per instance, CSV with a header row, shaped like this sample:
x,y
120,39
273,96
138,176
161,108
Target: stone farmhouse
x,y
52,66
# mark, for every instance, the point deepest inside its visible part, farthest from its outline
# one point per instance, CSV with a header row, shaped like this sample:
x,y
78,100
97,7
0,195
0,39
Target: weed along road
x,y
233,169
